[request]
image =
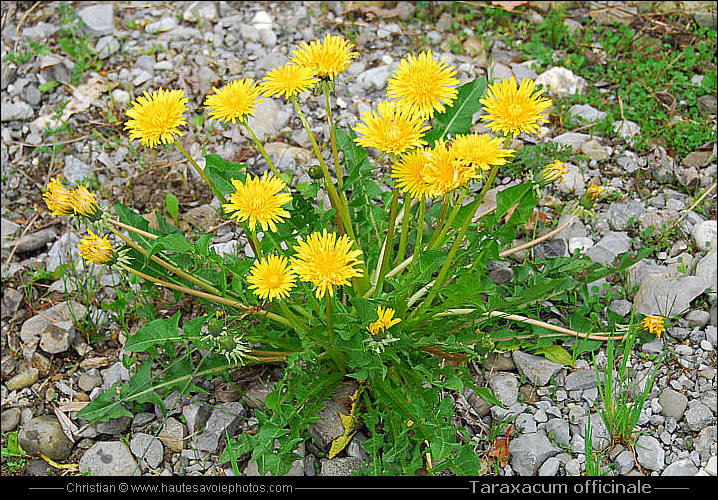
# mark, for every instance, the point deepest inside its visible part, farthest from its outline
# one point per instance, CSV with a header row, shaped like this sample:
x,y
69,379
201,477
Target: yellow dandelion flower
x,y
270,278
554,172
594,191
423,85
654,324
386,320
234,101
289,80
409,174
156,117
84,202
444,171
57,198
327,57
326,261
96,249
481,150
259,201
511,109
392,129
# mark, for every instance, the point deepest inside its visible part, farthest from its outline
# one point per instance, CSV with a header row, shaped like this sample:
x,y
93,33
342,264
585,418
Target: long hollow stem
x,y
257,247
440,221
333,137
419,231
211,185
133,229
261,149
404,229
386,251
192,279
447,225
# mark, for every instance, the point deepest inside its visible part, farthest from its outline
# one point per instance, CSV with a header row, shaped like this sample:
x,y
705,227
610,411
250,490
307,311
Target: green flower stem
x,y
387,249
440,222
404,229
457,242
333,136
419,231
297,323
261,149
213,298
192,279
256,244
447,225
362,283
336,355
201,173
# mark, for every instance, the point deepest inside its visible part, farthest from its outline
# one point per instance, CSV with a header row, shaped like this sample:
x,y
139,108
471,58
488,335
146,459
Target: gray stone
x,y
164,24
340,466
505,387
707,104
587,113
57,337
628,162
626,129
711,335
621,307
561,82
600,437
663,296
573,467
549,467
115,373
114,426
100,18
196,416
551,249
707,268
198,11
173,434
20,110
594,150
499,361
268,119
268,37
538,370
31,242
501,275
580,380
76,170
711,466
44,434
673,403
10,419
609,247
376,78
698,416
621,213
558,430
25,378
142,419
697,317
608,13
681,468
573,139
329,425
653,347
109,458
225,418
107,46
650,453
87,382
529,452
624,462
33,95
147,448
704,233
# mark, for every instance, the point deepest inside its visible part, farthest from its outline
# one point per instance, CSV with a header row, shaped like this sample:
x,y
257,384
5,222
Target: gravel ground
x,y
195,45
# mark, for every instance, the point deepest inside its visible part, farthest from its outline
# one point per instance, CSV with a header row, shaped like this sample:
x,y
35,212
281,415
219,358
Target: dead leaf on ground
x,y
501,449
508,5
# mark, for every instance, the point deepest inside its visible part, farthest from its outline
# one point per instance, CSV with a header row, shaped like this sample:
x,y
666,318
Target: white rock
x,y
626,129
704,233
561,82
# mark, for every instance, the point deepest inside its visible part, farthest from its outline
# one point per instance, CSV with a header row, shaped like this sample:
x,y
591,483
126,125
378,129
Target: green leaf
x,y
221,173
172,205
557,354
44,87
153,333
507,198
104,407
174,242
487,395
457,118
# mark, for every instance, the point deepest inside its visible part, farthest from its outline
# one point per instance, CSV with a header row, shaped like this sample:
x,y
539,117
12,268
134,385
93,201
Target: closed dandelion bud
x,y
315,172
553,172
85,203
593,193
58,198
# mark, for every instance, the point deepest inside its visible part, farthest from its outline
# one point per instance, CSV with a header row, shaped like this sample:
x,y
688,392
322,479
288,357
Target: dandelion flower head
x,y
555,171
391,129
654,324
259,200
288,81
594,191
235,101
326,261
327,57
156,117
386,320
83,201
409,173
481,150
512,109
57,198
96,249
423,85
270,278
444,171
